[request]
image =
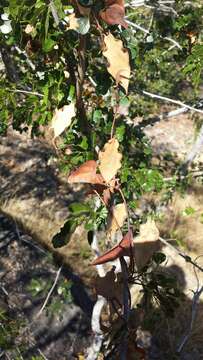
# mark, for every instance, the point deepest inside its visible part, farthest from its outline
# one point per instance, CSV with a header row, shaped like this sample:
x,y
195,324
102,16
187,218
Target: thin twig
x,y
126,207
50,292
54,12
42,354
173,113
26,92
195,149
184,256
93,350
146,31
177,102
28,61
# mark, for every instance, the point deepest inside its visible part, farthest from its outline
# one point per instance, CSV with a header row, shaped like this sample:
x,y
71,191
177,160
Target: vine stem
x,y
116,109
126,307
126,207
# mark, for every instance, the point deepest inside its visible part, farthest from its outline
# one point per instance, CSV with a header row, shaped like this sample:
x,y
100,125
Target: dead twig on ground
x,y
50,292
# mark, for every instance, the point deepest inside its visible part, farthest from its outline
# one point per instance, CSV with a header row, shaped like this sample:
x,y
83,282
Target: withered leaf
x,y
118,59
117,218
62,119
110,160
122,249
114,15
86,173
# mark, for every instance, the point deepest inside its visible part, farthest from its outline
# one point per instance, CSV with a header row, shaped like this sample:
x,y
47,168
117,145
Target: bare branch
x,y
185,256
195,149
54,12
26,92
28,61
177,102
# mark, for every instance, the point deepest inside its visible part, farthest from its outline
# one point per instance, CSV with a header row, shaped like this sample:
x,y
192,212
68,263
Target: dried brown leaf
x,y
86,173
117,218
124,248
118,59
62,119
110,160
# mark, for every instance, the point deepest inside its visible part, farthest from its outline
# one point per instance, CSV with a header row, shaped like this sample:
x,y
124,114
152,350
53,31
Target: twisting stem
x,y
126,207
126,307
115,111
84,124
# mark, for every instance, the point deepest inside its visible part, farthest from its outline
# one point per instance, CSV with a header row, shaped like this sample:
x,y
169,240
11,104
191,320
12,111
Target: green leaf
x,y
78,208
97,115
84,143
48,44
159,258
39,4
120,131
188,211
64,235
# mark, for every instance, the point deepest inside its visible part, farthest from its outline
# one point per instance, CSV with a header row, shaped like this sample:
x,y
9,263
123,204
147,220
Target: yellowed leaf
x,y
117,218
62,118
110,160
146,243
118,59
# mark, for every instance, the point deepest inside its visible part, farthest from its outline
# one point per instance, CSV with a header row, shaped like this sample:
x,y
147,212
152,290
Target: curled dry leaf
x,y
124,248
86,173
118,59
146,243
110,160
62,119
117,218
114,14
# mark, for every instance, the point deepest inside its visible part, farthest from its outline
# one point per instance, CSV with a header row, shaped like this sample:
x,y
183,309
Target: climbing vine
x,y
89,75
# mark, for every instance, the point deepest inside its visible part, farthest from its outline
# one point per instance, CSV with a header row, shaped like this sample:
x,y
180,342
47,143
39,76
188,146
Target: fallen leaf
x,y
62,119
118,59
86,173
117,218
110,160
146,243
124,248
